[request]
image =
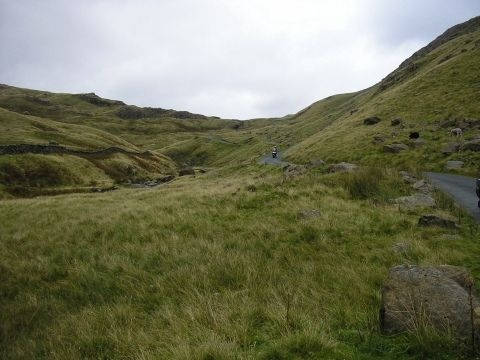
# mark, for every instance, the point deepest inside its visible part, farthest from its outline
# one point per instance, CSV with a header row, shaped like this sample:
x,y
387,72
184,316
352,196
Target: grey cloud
x,y
232,58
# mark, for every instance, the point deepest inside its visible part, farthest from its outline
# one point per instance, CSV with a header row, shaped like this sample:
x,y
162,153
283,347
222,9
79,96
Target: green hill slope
x,y
432,92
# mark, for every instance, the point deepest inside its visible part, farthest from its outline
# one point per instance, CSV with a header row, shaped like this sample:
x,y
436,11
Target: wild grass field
x,y
233,264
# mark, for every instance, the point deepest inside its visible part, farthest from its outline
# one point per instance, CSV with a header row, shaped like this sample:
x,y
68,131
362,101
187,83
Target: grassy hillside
x,y
222,266
27,129
147,128
439,83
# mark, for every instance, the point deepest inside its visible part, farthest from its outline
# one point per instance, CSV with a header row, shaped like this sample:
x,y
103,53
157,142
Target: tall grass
x,y
206,269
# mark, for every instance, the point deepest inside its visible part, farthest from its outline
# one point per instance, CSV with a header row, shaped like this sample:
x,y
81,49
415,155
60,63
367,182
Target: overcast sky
x,y
230,58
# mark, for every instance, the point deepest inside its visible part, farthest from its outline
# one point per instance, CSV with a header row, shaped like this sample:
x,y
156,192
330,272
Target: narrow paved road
x,y
269,160
461,188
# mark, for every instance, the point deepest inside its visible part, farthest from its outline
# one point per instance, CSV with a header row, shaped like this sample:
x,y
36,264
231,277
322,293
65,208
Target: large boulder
x,y
415,200
372,120
342,167
394,148
423,186
434,220
414,296
472,145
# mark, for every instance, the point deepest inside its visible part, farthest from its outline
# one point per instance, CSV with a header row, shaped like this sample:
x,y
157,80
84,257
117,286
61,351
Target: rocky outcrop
x,y
395,148
131,112
342,167
94,99
434,220
414,297
409,67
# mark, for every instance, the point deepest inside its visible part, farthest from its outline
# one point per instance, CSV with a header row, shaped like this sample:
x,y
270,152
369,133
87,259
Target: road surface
x,y
269,160
461,188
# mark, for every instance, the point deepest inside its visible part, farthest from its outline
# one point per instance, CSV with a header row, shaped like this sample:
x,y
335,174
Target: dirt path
x,y
461,188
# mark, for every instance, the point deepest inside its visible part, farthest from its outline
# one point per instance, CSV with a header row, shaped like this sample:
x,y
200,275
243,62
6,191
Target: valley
x,y
149,233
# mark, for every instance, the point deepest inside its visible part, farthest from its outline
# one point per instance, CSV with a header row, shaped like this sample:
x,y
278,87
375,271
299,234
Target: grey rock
x,y
342,167
454,165
415,200
423,186
395,148
407,177
434,220
435,296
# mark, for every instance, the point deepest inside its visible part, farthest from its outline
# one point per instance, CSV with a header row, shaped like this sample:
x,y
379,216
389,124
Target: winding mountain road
x,y
269,160
461,188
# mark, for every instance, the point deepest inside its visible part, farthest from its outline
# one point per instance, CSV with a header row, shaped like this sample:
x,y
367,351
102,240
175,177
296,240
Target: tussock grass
x,y
374,183
203,268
